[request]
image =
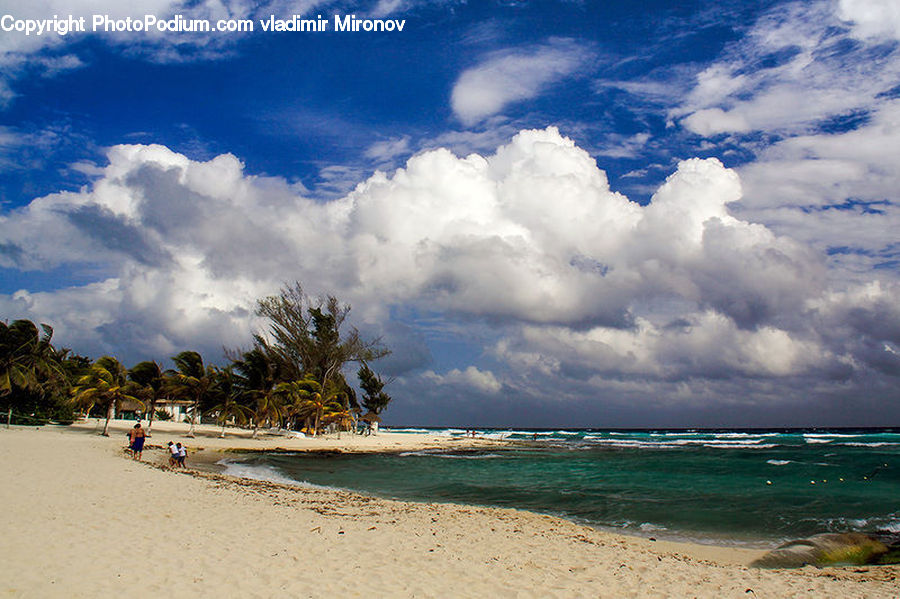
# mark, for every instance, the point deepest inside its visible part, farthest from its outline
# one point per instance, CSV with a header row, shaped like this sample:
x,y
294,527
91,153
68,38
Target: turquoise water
x,y
729,487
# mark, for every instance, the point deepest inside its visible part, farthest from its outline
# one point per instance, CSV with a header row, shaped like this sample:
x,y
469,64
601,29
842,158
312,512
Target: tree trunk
x,y
222,436
255,427
8,416
152,413
109,415
193,418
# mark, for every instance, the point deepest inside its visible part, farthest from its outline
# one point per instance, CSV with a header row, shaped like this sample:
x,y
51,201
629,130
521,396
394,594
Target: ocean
x,y
730,487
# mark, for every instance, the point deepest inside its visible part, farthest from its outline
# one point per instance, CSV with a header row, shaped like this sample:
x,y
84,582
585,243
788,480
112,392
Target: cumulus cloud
x,y
509,76
808,95
571,279
696,345
482,381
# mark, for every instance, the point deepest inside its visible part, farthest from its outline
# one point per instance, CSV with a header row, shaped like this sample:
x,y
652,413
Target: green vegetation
x,y
151,382
106,384
193,380
35,377
310,344
292,376
374,399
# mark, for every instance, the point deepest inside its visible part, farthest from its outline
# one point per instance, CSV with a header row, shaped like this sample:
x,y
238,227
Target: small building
x,y
178,409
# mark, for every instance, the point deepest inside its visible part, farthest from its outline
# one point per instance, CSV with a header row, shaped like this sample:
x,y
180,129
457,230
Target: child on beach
x,y
173,454
182,454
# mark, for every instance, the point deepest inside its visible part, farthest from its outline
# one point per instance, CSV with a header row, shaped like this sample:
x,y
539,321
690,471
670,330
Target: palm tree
x,y
228,391
292,396
307,399
268,408
106,383
340,414
192,379
258,373
27,359
149,376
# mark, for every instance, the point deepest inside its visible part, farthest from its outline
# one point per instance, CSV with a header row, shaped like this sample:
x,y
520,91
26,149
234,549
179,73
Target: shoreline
x,y
728,550
208,461
77,508
211,448
208,468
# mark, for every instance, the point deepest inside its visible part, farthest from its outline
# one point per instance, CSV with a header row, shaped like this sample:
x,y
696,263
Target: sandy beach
x,y
80,519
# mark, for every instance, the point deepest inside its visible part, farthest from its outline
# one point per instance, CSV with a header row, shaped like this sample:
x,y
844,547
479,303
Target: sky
x,y
555,214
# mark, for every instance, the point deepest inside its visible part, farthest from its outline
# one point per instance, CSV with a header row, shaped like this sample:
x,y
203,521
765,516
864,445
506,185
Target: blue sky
x,y
556,213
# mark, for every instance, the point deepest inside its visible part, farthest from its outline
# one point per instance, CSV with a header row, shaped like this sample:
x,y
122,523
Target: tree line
x,y
292,377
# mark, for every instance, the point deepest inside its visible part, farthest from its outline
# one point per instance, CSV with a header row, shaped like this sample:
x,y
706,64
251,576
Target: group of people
x,y
177,453
136,437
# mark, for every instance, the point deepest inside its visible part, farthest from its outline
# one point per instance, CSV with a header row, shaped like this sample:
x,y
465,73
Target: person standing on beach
x,y
182,454
136,436
173,454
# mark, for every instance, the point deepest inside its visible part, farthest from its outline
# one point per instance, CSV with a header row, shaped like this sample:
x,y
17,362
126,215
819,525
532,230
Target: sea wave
x,y
525,434
450,456
255,472
875,444
267,474
410,430
680,443
893,526
889,523
714,442
779,462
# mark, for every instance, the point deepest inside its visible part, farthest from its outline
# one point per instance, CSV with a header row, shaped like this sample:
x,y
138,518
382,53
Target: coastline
x,y
208,437
81,520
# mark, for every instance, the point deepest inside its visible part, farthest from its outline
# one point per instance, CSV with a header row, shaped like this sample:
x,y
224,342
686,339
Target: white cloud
x,y
819,79
802,185
872,18
705,344
513,75
388,149
710,121
570,279
623,146
386,7
797,66
482,381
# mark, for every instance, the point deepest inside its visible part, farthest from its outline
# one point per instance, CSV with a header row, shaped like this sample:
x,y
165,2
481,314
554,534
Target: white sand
x,y
208,437
78,519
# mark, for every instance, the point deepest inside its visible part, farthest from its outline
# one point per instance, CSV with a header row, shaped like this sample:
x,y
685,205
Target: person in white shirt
x,y
182,453
173,457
